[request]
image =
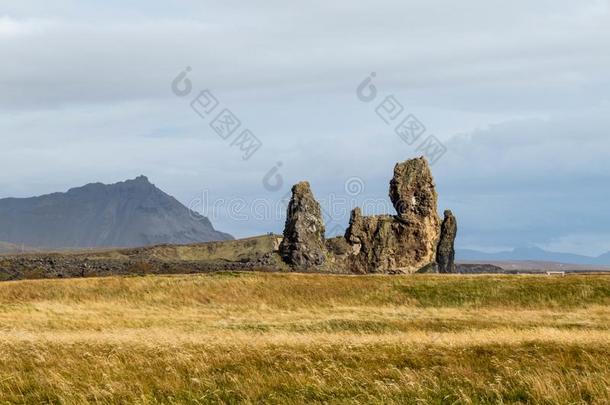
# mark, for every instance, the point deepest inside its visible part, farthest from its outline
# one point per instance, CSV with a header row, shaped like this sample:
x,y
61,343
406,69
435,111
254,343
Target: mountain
x,y
603,259
532,254
126,214
10,248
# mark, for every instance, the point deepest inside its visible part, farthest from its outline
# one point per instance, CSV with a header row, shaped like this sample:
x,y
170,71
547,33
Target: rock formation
x,y
304,242
445,252
403,243
412,190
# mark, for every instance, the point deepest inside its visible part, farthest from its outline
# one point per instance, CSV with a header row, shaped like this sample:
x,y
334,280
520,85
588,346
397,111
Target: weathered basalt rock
x,y
403,243
304,242
445,252
412,190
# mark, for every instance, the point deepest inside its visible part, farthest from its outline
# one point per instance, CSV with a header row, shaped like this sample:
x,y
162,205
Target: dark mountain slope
x,y
127,214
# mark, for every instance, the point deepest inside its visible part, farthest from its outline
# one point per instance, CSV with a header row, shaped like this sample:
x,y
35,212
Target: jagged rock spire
x,y
445,252
304,240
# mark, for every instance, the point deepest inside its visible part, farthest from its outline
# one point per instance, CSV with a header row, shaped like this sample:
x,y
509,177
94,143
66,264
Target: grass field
x,y
296,338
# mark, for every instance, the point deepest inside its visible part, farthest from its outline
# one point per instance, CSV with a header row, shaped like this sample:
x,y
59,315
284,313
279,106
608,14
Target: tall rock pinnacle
x,y
304,241
445,253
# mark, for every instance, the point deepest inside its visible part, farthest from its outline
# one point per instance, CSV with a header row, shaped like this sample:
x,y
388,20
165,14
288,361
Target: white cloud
x,y
85,95
319,48
11,28
590,244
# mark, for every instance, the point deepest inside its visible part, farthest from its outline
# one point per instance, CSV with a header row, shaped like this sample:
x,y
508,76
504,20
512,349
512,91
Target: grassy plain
x,y
303,338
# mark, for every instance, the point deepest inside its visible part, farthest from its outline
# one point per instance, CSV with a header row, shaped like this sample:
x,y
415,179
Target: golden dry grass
x,y
297,338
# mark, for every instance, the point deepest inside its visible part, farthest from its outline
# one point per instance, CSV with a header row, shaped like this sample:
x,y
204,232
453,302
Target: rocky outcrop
x,y
403,243
304,241
445,251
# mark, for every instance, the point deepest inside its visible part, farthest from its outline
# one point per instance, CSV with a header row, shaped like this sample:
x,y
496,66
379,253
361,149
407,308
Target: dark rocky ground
x,y
39,267
244,255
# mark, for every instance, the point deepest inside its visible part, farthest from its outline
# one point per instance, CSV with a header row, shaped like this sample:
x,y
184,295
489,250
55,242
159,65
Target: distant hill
x,y
532,254
10,248
126,214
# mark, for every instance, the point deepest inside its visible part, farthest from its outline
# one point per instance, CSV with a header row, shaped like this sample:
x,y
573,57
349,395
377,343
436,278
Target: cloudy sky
x,y
518,92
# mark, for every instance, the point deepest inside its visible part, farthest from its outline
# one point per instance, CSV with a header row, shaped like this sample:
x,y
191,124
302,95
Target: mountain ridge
x,y
129,213
533,254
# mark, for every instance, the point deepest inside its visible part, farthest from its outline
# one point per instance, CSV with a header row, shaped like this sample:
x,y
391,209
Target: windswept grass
x,y
297,338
